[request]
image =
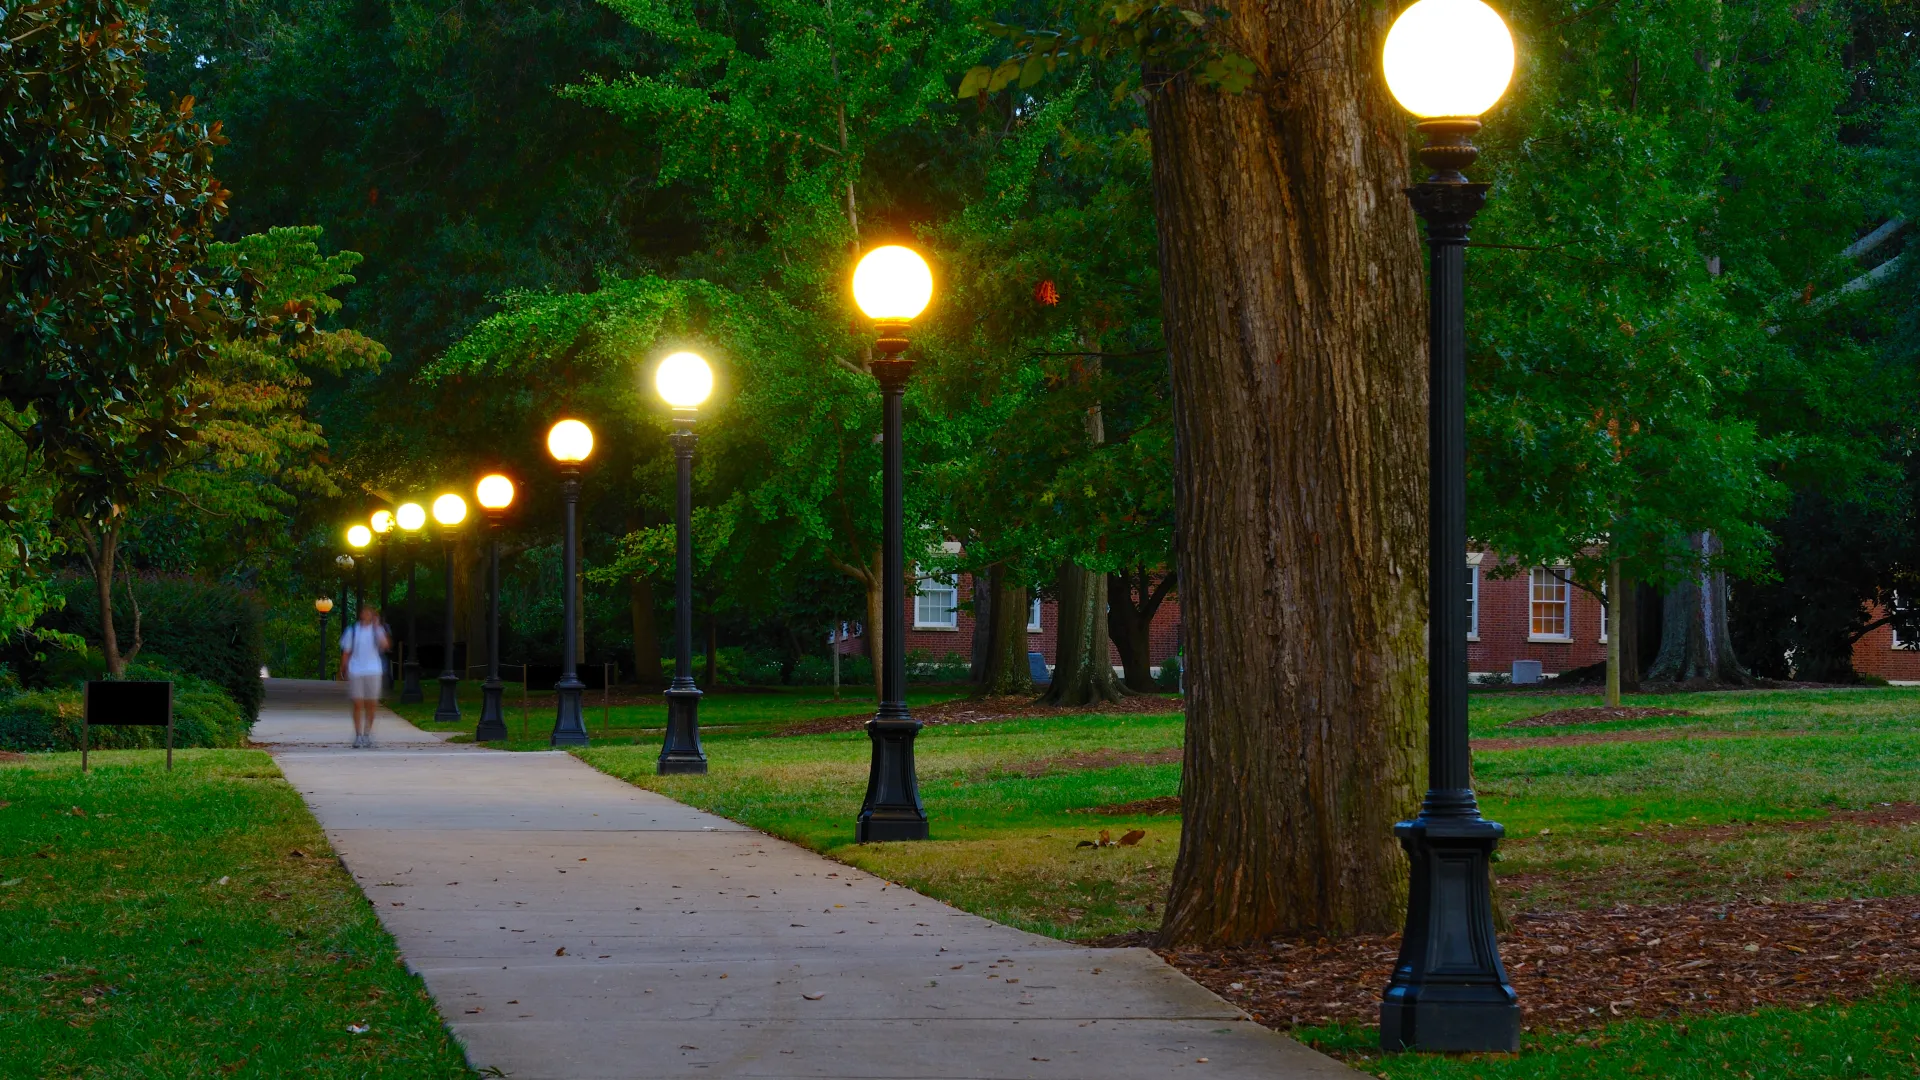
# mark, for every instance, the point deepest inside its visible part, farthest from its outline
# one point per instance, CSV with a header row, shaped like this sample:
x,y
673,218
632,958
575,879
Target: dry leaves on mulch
x,y
1156,806
1593,714
1582,969
1089,759
986,710
1644,735
1886,815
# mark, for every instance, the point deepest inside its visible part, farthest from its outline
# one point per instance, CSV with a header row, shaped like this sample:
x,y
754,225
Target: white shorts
x,y
363,687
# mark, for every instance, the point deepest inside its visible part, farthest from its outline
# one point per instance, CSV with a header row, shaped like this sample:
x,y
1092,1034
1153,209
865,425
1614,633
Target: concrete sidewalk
x,y
575,927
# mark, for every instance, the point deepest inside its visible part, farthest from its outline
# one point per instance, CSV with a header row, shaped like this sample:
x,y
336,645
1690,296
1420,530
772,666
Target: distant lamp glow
x,y
893,284
449,509
495,492
1448,58
684,380
323,605
359,536
383,521
411,516
570,442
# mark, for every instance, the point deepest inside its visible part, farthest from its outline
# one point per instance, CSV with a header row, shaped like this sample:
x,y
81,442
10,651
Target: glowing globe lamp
x,y
684,380
359,536
449,509
323,605
1448,58
892,284
383,521
495,492
411,516
570,442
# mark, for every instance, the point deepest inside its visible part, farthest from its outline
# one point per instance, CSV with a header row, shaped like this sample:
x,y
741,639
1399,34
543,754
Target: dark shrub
x,y
203,715
199,627
1169,677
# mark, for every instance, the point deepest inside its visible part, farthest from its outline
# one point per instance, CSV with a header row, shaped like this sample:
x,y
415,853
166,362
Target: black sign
x,y
124,703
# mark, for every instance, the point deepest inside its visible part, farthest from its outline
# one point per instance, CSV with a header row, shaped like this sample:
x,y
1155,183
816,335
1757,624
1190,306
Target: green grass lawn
x,y
725,711
159,925
1590,825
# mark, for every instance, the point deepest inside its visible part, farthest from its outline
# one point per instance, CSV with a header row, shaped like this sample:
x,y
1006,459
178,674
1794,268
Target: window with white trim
x,y
1900,641
936,604
1033,617
1473,601
1603,613
1548,604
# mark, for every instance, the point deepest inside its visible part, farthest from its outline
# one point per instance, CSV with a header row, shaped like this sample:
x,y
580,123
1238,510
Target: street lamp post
x,y
358,537
684,380
892,285
411,517
570,442
382,522
1447,62
449,511
323,606
495,494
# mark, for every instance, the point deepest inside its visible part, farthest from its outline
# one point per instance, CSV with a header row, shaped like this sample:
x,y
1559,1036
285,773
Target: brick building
x,y
1517,614
1882,651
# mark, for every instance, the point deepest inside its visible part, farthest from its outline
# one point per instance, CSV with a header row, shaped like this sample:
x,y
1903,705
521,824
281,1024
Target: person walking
x,y
363,664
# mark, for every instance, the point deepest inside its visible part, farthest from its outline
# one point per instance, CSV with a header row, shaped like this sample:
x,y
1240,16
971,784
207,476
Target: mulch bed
x,y
1154,807
1583,969
1594,714
986,710
1885,815
1090,759
10,755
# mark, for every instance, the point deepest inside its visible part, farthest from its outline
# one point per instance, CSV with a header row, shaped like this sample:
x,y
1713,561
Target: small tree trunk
x,y
875,636
713,648
1082,661
102,548
982,628
1696,645
1614,625
647,672
1008,673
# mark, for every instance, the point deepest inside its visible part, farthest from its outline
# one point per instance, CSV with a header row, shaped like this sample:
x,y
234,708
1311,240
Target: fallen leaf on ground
x,y
814,996
1133,837
561,951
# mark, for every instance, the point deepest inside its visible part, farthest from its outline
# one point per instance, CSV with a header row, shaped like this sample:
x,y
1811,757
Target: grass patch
x,y
756,712
157,925
1876,1037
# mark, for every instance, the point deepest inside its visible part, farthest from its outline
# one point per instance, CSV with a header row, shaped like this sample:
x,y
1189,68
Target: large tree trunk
x,y
1294,311
1082,656
1696,645
1627,627
647,671
1133,599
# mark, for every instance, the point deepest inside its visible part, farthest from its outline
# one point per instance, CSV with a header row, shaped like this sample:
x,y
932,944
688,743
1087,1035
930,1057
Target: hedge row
x,y
203,715
204,628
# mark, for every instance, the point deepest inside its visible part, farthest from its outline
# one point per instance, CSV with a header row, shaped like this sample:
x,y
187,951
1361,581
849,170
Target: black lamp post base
x,y
681,753
448,711
569,722
1449,991
892,810
493,713
410,684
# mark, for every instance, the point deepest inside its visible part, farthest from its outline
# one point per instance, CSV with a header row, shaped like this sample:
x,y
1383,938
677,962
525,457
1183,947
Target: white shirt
x,y
362,644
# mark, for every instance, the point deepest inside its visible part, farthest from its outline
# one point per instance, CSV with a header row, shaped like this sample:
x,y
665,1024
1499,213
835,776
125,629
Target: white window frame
x,y
1534,582
951,590
1603,613
1473,596
1033,616
1898,645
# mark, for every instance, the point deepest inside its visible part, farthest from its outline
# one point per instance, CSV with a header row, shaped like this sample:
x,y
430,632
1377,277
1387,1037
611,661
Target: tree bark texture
x,y
1008,673
982,643
1082,656
1133,599
1627,627
1696,645
1613,600
647,671
1295,315
876,628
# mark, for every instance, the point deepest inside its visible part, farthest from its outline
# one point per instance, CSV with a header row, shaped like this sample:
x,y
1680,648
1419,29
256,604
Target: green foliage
x,y
1167,40
1169,678
203,628
108,308
203,715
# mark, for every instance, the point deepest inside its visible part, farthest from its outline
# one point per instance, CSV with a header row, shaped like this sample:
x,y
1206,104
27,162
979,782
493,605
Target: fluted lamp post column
x,y
411,517
1447,62
892,285
494,494
358,537
570,442
684,380
382,523
449,511
323,606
